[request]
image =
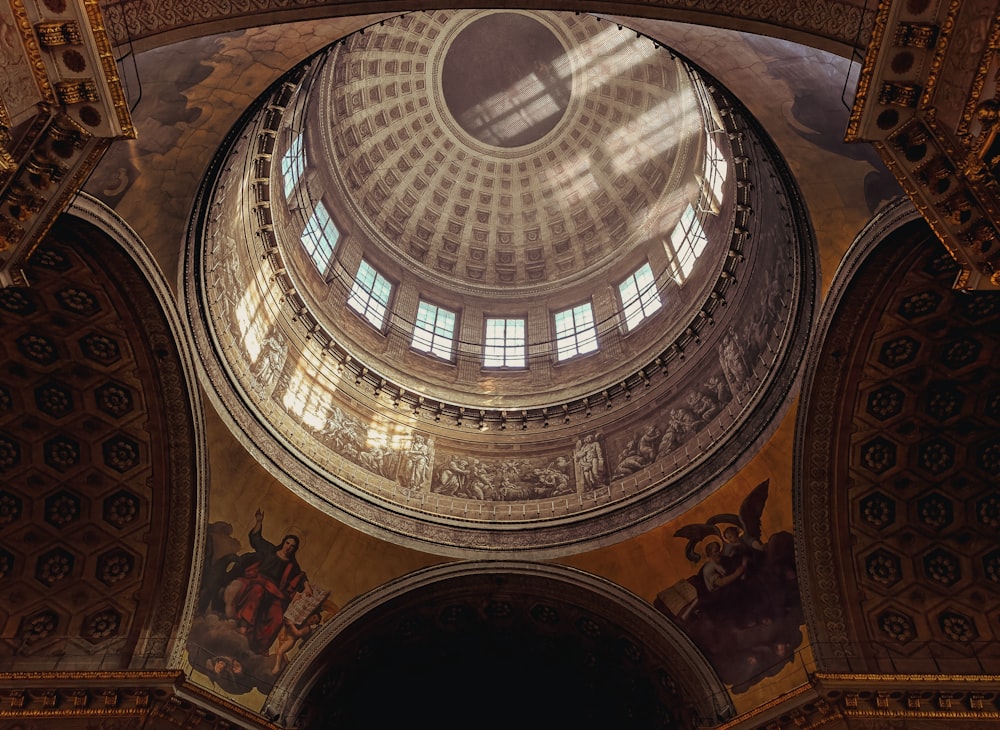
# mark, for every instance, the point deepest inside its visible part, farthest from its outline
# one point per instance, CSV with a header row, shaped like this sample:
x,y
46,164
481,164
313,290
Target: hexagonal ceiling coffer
x,y
878,455
10,452
61,452
121,508
885,402
944,400
37,627
54,399
121,453
50,257
54,566
115,566
935,511
6,563
115,399
919,305
988,512
959,353
899,351
100,348
991,566
17,301
101,626
62,508
958,627
10,508
942,567
878,510
38,348
936,455
78,300
897,626
883,567
988,456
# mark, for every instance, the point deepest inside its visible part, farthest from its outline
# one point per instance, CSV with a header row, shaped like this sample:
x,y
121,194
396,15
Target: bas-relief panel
x,y
18,91
701,405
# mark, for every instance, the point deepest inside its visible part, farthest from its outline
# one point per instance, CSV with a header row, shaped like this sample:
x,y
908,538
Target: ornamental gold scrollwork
x,y
59,33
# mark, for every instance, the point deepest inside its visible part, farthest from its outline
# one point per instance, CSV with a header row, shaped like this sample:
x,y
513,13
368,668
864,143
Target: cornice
x,y
838,25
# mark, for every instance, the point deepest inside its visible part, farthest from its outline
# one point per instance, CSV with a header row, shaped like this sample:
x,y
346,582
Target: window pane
x,y
687,242
640,298
319,237
504,343
293,164
434,330
370,294
575,333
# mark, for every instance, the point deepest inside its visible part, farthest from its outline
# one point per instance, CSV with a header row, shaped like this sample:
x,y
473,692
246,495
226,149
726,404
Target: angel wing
x,y
695,534
727,518
752,508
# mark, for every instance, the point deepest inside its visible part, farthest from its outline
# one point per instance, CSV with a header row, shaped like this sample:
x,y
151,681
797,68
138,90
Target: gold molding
x,y
33,51
979,81
783,703
871,678
202,695
103,41
946,27
867,73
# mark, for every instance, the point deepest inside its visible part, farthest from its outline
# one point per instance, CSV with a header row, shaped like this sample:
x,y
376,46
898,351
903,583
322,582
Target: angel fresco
x,y
254,609
742,606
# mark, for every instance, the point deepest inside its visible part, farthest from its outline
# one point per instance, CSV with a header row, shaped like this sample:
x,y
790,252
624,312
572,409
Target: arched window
x,y
293,165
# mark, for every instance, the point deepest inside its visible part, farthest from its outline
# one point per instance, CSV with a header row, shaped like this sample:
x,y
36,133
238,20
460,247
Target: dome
x,y
500,298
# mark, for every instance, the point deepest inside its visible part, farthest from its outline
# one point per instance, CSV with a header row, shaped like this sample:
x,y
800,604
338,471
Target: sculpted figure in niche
x,y
731,357
416,469
270,361
589,458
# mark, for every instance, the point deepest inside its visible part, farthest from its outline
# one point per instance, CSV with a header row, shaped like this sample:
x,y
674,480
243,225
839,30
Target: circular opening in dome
x,y
506,80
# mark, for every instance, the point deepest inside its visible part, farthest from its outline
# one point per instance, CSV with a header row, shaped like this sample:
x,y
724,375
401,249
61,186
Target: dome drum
x,y
452,455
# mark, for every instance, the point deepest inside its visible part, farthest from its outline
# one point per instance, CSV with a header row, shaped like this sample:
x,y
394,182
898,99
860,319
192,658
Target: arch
x,y
494,595
838,26
893,515
182,539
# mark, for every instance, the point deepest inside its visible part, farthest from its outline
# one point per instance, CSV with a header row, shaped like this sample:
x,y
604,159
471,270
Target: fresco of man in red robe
x,y
270,577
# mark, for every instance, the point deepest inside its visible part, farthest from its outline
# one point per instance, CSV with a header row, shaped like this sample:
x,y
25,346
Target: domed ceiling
x,y
505,153
499,166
